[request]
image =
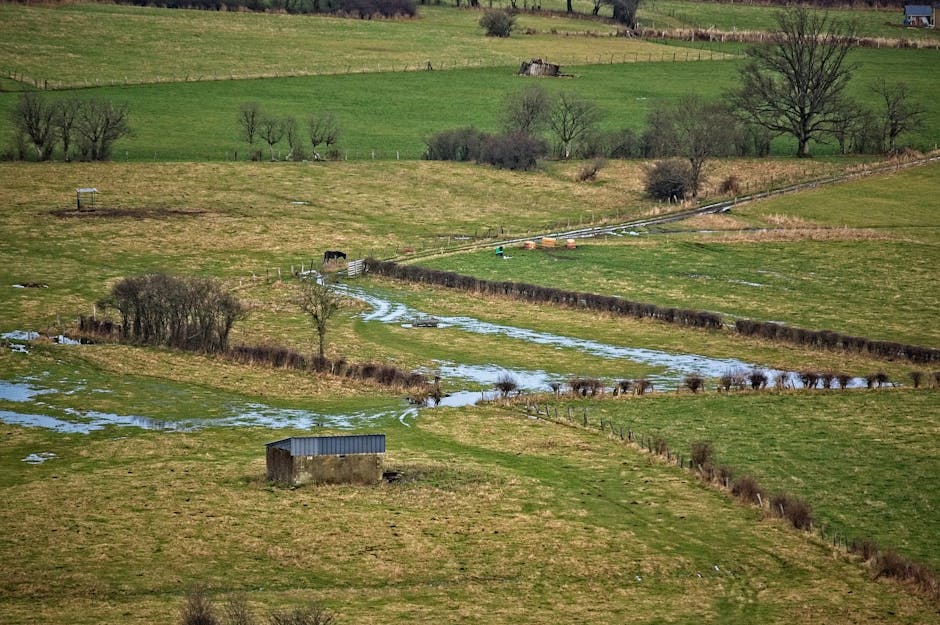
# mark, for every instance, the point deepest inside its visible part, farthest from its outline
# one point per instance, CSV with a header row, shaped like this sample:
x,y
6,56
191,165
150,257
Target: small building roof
x,y
332,445
918,10
87,190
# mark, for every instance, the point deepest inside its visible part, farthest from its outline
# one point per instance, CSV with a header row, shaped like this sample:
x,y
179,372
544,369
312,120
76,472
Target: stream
x,y
673,368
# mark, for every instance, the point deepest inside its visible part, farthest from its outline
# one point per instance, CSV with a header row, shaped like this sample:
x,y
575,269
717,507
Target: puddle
x,y
21,391
39,458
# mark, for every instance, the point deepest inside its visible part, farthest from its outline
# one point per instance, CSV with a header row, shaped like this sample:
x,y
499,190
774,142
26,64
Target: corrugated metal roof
x,y
332,445
918,10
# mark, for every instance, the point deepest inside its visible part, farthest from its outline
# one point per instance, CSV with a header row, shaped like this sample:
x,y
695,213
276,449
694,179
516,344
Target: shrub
x,y
668,180
882,379
724,473
865,548
622,387
694,382
237,612
809,378
641,386
506,384
758,379
843,379
782,381
198,609
703,453
746,488
516,151
460,144
589,170
660,446
827,378
311,615
917,378
730,185
498,22
793,509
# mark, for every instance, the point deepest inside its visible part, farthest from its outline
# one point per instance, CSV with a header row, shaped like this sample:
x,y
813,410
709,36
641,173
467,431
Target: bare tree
x,y
98,124
693,129
320,302
66,114
294,140
527,111
249,116
572,118
794,85
271,131
900,114
324,129
624,11
33,116
847,123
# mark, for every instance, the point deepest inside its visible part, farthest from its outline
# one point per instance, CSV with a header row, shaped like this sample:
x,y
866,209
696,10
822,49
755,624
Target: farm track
x,y
709,209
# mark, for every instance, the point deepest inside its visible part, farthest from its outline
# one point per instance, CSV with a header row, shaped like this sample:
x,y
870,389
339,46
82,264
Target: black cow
x,y
331,255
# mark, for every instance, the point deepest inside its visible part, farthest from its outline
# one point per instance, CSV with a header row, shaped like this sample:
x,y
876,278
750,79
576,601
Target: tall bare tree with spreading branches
x,y
794,86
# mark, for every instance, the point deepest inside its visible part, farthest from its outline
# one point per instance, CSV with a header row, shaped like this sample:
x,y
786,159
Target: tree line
x,y
795,86
364,9
186,313
71,127
321,129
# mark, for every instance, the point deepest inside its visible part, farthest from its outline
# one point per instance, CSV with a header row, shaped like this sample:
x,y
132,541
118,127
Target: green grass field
x,y
730,17
386,113
52,44
829,447
813,273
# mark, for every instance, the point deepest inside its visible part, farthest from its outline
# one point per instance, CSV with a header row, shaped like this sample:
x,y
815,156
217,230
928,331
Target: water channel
x,y
672,368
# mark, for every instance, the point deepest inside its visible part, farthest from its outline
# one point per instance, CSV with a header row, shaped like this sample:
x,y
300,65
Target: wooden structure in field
x,y
326,459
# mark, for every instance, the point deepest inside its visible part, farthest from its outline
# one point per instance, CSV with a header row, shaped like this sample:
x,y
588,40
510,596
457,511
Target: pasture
x,y
499,517
385,107
493,505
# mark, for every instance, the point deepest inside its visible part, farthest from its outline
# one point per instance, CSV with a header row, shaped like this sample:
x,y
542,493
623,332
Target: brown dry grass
x,y
498,507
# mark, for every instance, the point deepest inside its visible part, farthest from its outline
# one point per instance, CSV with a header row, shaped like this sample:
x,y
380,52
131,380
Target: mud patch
x,y
133,213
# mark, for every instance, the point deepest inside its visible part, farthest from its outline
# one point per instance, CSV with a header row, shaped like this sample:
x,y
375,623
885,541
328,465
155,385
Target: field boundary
x,y
620,228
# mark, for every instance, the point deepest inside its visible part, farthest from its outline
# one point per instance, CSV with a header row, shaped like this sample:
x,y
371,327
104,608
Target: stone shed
x,y
326,459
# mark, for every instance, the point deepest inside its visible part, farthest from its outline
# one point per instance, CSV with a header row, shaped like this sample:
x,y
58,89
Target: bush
x,y
498,22
312,615
917,378
694,382
746,488
730,185
793,509
506,384
198,609
669,180
515,151
589,170
703,454
460,144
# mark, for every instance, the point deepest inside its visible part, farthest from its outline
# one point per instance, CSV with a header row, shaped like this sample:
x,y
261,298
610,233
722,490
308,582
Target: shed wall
x,y
354,469
280,465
